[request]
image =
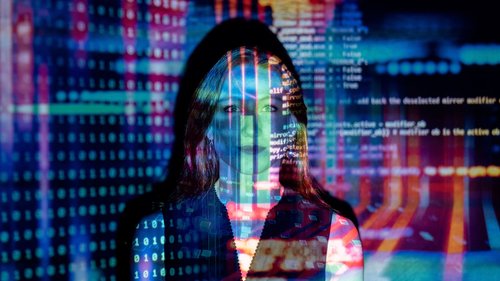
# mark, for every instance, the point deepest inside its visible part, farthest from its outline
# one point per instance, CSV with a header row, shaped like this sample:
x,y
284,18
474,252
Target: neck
x,y
242,189
248,200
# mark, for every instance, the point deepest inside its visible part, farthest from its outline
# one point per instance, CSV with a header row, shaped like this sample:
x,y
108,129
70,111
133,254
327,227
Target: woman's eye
x,y
231,108
269,108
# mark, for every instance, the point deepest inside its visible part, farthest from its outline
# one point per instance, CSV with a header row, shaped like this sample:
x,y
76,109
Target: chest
x,y
291,244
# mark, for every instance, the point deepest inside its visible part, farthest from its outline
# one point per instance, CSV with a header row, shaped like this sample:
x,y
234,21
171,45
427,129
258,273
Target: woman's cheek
x,y
227,139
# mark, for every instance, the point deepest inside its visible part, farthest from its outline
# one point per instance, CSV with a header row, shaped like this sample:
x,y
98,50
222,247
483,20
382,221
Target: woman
x,y
245,207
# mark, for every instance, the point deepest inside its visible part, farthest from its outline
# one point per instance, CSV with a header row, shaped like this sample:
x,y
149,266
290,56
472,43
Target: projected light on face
x,y
251,128
247,115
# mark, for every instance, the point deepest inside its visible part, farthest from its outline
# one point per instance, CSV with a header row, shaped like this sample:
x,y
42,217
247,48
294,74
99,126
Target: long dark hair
x,y
201,163
228,35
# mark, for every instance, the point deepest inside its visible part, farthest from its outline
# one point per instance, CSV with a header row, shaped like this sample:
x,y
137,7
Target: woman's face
x,y
248,125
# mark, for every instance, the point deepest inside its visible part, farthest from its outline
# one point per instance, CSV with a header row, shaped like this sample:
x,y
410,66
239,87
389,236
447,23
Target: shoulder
x,y
152,224
344,259
344,233
149,236
342,224
344,237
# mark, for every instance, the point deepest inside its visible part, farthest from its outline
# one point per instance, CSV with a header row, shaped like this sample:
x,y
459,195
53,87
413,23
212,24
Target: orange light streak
x,y
218,10
389,245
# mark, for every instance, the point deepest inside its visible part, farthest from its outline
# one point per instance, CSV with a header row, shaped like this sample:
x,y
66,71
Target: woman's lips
x,y
251,149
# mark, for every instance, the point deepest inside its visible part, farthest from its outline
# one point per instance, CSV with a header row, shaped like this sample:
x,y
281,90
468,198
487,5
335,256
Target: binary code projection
x,y
403,124
149,256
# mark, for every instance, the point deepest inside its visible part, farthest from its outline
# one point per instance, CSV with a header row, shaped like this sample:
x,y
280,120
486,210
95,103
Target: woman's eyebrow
x,y
230,99
238,98
272,97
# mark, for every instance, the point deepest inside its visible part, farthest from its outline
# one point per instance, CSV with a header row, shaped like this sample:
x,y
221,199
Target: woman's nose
x,y
252,124
247,125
